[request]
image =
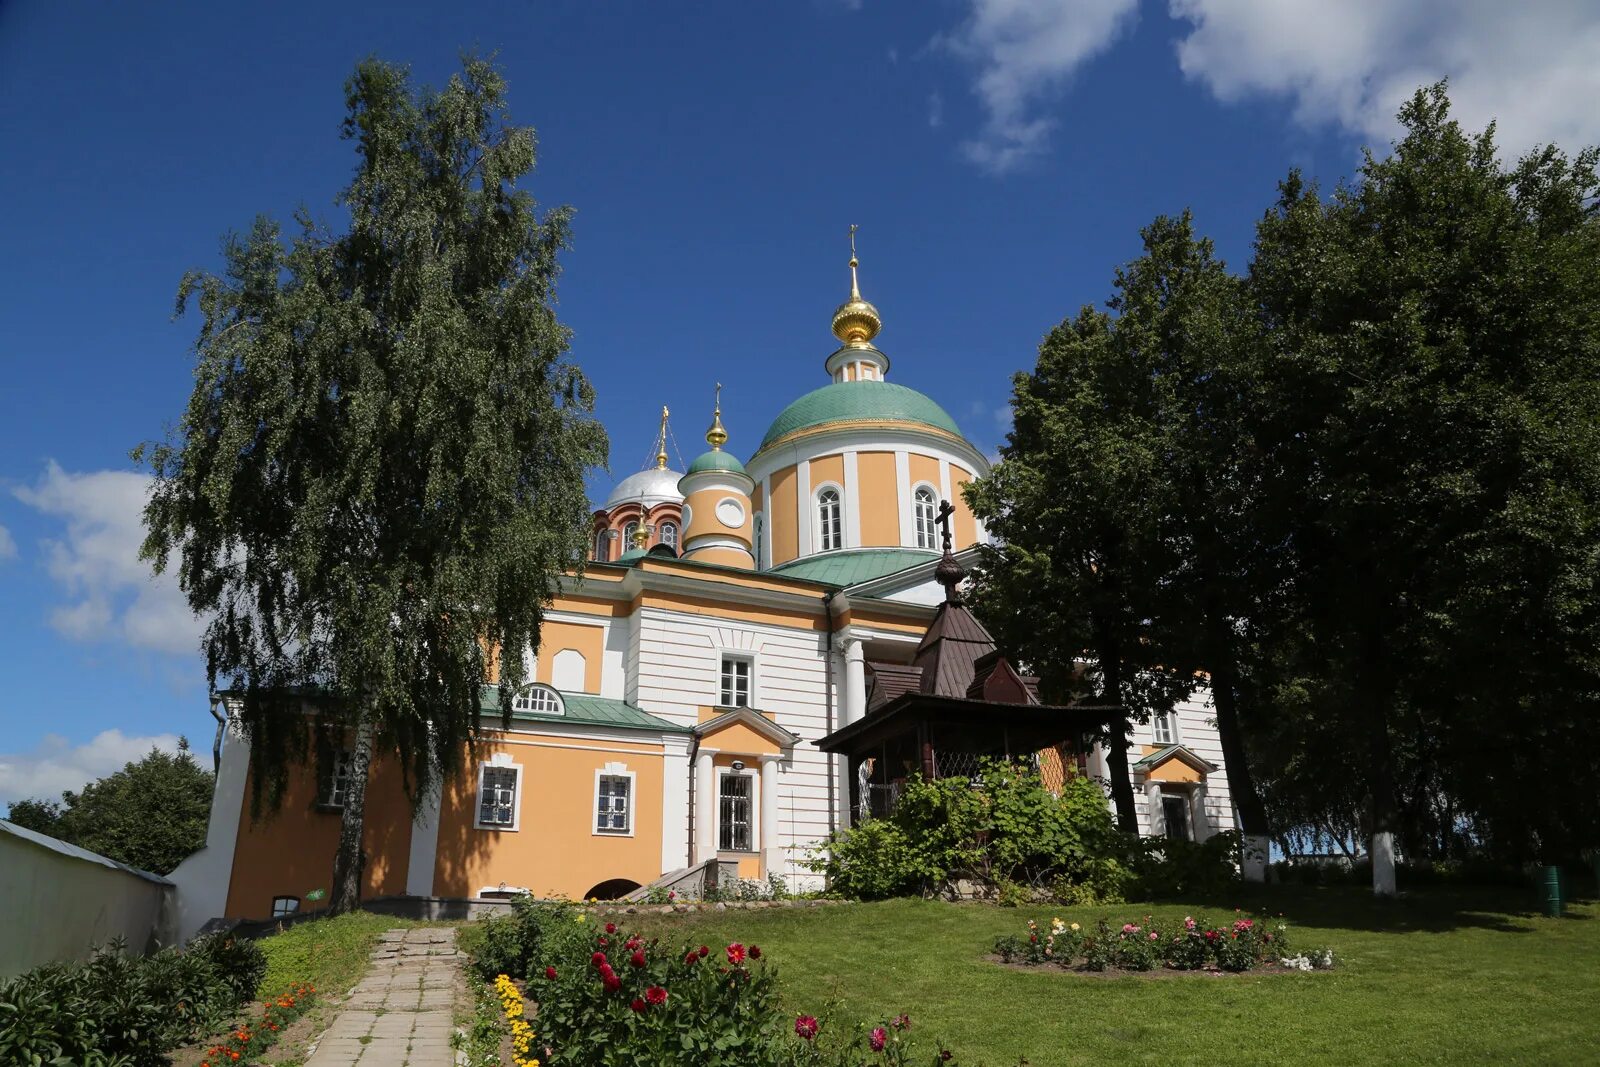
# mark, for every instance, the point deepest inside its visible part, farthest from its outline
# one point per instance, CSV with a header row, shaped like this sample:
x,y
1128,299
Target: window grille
x,y
284,906
1166,729
538,700
601,543
1175,813
735,810
829,527
669,535
336,784
927,526
627,536
612,804
735,683
497,793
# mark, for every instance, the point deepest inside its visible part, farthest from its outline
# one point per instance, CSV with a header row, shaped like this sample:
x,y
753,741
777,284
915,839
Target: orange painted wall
x,y
964,527
825,469
923,469
880,499
291,853
724,556
588,641
555,851
703,515
785,531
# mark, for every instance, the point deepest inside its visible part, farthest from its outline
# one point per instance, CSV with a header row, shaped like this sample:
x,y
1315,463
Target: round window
x,y
730,513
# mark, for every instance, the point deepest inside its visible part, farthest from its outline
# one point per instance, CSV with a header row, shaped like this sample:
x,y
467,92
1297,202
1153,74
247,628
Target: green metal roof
x,y
716,460
590,709
854,566
858,401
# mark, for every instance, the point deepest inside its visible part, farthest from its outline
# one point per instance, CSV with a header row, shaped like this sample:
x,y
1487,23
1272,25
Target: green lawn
x,y
1441,976
331,954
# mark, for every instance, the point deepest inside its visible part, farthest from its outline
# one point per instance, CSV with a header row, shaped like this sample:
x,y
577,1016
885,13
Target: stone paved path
x,y
402,1012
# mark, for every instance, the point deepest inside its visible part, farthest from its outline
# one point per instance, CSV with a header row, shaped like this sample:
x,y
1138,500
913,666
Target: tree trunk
x,y
1384,807
1241,782
1117,743
347,865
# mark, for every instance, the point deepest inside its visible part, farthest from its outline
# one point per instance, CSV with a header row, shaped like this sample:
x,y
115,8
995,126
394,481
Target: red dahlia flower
x,y
876,1039
902,1022
704,952
656,995
550,974
691,956
598,959
611,928
806,1026
637,1005
736,953
638,959
755,952
612,983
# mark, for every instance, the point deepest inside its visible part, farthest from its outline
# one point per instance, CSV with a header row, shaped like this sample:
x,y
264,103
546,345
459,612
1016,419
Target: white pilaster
x,y
424,846
705,806
1152,794
855,681
766,525
771,837
852,501
1197,812
675,801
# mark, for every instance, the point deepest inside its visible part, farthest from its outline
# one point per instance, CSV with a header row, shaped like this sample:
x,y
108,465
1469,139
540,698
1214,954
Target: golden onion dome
x,y
856,322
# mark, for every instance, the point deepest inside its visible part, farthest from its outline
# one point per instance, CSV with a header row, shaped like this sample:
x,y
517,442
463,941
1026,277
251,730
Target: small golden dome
x,y
641,533
856,322
716,437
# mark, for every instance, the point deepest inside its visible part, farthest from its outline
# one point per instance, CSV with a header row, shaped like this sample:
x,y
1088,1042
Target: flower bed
x,y
608,998
1244,944
244,1044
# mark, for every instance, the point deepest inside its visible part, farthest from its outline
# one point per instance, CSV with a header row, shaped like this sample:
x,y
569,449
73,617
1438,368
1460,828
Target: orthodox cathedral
x,y
758,652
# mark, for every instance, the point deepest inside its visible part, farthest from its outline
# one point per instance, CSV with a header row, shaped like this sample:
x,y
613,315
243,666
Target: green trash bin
x,y
1550,890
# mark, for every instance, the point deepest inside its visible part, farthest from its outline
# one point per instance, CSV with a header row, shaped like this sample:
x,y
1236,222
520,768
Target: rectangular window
x,y
497,797
284,906
1175,813
734,807
1166,727
613,808
735,683
336,780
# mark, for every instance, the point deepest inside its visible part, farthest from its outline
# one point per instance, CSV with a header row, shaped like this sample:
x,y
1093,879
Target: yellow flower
x,y
580,917
1074,926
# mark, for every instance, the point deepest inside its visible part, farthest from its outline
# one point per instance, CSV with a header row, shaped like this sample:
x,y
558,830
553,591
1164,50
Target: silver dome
x,y
657,485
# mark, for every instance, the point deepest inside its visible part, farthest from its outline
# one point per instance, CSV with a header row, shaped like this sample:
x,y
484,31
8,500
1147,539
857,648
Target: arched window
x,y
601,543
669,534
538,700
627,536
927,526
830,529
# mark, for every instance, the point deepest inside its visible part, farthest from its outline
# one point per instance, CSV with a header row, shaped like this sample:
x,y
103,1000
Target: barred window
x,y
497,797
734,807
613,804
669,535
336,779
284,906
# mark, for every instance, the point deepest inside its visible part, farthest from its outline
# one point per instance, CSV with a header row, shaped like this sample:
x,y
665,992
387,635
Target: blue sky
x,y
999,156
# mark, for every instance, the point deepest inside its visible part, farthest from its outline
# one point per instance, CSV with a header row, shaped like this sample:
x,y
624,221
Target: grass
x,y
1437,977
331,954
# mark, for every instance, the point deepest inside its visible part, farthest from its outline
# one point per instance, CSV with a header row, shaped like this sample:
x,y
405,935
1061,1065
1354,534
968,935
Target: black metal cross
x,y
945,511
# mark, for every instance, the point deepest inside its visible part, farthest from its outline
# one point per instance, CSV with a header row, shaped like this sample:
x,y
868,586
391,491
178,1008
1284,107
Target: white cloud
x,y
111,593
57,764
8,545
1529,65
1024,51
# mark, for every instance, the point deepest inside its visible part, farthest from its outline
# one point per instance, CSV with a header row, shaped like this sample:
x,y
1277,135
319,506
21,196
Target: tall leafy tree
x,y
380,473
1434,428
151,814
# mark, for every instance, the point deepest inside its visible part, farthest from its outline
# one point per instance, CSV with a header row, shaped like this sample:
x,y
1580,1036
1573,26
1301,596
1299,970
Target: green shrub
x,y
509,944
1005,828
1162,867
117,1009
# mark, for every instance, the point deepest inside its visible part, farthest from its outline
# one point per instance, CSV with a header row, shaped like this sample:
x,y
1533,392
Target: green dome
x,y
858,402
716,461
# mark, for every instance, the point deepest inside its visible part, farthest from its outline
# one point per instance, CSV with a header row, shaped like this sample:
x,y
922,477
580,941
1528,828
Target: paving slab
x,y
401,1013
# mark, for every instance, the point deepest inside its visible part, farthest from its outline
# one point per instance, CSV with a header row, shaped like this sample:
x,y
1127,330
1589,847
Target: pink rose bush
x,y
1192,945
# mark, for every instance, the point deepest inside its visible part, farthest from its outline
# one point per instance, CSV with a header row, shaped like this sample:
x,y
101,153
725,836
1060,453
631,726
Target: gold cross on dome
x,y
853,229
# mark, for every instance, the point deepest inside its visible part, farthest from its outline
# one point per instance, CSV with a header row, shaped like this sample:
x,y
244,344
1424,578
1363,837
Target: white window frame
x,y
602,545
614,770
1165,723
499,762
331,790
932,516
751,813
749,663
536,698
286,912
667,534
628,530
819,520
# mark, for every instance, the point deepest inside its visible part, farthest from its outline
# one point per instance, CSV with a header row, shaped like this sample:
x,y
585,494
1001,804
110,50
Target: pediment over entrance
x,y
745,730
1174,763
